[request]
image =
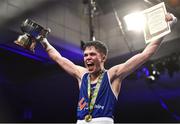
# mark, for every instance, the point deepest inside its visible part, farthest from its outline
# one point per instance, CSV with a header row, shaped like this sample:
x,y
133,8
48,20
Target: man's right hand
x,y
46,44
171,19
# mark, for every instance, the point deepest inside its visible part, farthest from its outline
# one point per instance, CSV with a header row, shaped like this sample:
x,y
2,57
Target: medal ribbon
x,y
94,95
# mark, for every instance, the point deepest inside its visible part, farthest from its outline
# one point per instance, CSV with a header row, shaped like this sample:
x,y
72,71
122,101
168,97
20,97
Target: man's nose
x,y
89,57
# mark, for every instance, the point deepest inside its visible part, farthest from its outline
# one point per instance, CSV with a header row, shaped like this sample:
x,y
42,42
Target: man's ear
x,y
104,58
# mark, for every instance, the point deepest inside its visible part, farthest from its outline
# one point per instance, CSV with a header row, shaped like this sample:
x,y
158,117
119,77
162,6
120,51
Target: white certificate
x,y
155,25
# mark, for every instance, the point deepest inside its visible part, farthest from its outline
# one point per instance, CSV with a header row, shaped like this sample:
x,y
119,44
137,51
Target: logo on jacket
x,y
82,103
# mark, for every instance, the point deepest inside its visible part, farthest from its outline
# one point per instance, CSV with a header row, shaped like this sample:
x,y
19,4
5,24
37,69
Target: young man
x,y
99,88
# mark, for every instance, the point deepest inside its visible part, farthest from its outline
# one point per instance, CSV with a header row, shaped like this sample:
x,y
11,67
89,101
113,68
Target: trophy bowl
x,y
32,32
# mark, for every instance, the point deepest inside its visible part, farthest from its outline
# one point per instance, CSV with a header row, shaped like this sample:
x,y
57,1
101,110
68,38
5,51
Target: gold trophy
x,y
32,32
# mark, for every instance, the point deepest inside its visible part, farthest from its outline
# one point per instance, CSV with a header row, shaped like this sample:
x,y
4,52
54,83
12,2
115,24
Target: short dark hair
x,y
101,46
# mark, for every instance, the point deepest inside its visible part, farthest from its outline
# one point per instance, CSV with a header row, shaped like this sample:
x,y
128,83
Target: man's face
x,y
93,59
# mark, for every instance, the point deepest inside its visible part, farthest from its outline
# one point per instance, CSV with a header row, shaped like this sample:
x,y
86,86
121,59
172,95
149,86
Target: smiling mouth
x,y
90,65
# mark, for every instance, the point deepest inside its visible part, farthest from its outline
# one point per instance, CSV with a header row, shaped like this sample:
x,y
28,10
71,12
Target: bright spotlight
x,y
134,21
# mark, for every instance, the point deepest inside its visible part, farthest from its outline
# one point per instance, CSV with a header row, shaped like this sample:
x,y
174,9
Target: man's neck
x,y
95,76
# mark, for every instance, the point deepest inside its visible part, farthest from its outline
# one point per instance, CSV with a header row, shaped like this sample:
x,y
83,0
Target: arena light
x,y
134,21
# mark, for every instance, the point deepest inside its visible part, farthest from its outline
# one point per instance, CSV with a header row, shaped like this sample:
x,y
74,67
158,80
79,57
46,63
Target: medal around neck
x,y
32,32
88,117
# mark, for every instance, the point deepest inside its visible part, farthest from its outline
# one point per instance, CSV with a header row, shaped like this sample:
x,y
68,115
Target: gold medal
x,y
88,118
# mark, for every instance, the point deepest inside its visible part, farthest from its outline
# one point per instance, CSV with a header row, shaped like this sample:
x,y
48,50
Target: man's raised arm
x,y
122,70
74,70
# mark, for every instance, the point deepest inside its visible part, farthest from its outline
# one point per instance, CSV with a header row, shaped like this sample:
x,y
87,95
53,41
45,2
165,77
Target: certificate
x,y
155,25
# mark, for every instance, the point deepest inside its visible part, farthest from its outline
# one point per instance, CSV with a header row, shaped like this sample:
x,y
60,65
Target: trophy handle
x,y
43,34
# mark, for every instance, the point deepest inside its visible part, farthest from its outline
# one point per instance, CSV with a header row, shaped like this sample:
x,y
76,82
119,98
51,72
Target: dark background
x,y
35,89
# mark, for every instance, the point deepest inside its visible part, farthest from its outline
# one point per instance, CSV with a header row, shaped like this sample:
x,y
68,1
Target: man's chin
x,y
90,70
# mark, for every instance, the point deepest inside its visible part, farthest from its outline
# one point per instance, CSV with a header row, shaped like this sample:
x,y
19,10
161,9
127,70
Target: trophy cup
x,y
32,32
